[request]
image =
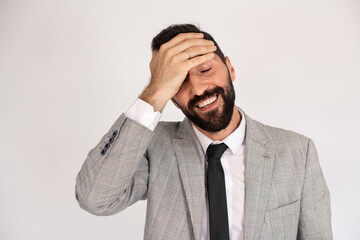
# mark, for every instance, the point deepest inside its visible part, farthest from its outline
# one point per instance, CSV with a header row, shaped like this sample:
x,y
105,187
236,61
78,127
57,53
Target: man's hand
x,y
170,65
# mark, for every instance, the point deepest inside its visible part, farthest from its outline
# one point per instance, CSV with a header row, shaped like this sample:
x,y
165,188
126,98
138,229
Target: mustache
x,y
215,91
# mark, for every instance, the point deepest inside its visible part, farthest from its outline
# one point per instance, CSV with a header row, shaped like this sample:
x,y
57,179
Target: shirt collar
x,y
234,141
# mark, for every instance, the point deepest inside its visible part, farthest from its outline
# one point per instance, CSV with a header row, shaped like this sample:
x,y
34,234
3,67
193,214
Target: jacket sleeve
x,y
315,215
115,172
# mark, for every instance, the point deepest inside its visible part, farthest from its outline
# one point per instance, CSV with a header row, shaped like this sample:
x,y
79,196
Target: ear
x,y
231,68
174,102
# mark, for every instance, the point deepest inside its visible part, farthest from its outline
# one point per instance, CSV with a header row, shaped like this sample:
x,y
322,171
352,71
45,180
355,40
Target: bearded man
x,y
216,175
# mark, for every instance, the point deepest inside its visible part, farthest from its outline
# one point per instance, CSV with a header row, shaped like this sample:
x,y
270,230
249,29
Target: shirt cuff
x,y
143,113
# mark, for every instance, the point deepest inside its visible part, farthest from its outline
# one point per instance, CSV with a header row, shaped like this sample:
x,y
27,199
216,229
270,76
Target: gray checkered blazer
x,y
286,196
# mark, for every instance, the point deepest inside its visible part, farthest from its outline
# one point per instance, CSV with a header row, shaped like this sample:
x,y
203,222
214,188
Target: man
x,y
263,183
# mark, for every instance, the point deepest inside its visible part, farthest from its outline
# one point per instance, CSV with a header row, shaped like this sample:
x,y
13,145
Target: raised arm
x,y
115,172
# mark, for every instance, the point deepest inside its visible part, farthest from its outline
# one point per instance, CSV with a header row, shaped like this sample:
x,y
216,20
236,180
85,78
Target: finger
x,y
188,43
198,60
179,38
199,50
191,48
193,52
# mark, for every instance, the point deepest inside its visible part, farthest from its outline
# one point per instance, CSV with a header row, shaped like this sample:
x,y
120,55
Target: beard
x,y
216,119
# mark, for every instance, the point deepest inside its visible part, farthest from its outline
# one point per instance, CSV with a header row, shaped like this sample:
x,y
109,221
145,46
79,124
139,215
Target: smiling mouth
x,y
207,102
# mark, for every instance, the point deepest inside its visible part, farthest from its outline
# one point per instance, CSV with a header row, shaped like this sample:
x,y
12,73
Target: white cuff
x,y
143,113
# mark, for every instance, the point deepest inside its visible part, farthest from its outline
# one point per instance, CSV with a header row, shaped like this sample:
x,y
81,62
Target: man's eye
x,y
206,70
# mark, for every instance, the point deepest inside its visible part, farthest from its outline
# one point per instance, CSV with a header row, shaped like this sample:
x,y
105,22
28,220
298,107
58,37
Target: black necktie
x,y
218,217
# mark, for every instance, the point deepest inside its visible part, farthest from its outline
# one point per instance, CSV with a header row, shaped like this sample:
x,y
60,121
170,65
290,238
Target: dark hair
x,y
168,33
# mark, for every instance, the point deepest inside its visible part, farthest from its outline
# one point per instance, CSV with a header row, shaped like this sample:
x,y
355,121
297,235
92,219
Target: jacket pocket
x,y
281,223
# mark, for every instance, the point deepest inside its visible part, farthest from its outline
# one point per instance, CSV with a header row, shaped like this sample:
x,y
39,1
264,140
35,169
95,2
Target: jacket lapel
x,y
190,159
259,162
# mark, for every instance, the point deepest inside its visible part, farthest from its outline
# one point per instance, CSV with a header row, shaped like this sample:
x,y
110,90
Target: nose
x,y
198,84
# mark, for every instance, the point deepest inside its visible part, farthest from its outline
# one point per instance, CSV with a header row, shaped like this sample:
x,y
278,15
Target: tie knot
x,y
216,150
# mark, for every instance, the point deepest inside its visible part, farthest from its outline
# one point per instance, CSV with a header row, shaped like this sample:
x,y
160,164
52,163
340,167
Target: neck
x,y
221,135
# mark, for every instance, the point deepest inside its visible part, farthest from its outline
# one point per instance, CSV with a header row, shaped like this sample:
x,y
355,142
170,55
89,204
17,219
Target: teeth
x,y
207,102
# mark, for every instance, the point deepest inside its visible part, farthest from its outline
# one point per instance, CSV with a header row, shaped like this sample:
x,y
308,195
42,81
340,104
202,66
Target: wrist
x,y
155,97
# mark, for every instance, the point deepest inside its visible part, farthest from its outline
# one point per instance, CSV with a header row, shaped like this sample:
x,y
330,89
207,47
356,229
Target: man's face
x,y
207,95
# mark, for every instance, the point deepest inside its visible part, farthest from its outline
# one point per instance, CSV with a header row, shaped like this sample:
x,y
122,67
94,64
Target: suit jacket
x,y
286,196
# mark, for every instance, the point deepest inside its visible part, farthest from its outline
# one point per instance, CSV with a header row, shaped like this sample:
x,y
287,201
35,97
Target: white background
x,y
69,68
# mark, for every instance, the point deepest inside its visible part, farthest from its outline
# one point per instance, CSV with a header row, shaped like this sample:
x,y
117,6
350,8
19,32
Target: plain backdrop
x,y
69,68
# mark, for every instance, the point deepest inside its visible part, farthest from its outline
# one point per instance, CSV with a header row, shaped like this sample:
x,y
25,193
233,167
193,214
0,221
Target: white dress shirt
x,y
233,163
